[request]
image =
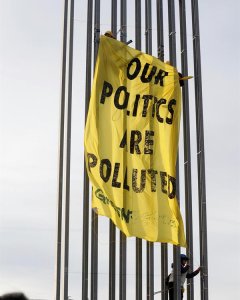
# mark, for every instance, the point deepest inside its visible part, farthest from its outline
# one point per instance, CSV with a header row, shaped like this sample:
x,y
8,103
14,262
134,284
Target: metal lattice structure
x,y
170,17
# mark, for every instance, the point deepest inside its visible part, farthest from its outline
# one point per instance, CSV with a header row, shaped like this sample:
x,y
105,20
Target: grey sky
x,y
30,65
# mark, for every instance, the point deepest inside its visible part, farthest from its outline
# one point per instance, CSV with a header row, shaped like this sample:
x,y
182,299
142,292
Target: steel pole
x,y
187,143
200,151
68,152
148,25
138,241
112,228
138,19
112,260
160,47
164,270
94,215
160,33
123,240
85,240
173,61
61,156
150,245
122,266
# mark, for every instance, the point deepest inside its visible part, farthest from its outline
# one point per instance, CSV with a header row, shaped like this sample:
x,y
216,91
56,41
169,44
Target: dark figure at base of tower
x,y
184,274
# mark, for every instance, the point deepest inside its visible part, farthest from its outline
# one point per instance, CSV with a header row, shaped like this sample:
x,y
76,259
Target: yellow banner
x,y
131,142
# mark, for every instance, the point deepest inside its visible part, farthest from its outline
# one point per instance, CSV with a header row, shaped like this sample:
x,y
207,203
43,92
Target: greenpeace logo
x,y
121,212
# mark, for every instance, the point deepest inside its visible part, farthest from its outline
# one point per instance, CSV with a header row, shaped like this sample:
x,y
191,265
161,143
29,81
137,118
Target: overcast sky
x,y
30,73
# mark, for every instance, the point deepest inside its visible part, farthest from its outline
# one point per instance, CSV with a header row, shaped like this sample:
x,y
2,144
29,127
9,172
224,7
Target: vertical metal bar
x,y
138,24
177,273
123,240
114,18
173,61
122,266
148,25
150,271
138,241
94,228
164,270
138,269
112,228
200,151
85,240
68,152
61,155
187,143
160,35
96,28
164,247
112,260
94,256
123,21
172,32
150,247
